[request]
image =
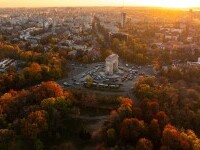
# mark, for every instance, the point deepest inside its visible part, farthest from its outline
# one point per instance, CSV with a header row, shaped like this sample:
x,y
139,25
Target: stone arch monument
x,y
112,64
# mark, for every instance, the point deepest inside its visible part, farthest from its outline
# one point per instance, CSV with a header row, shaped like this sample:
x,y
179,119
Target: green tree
x,y
39,145
89,81
111,136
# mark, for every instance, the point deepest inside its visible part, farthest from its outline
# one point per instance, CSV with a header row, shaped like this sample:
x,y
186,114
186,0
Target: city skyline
x,y
76,3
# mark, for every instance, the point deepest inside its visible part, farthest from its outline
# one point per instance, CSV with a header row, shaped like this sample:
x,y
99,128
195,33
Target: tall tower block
x,y
123,19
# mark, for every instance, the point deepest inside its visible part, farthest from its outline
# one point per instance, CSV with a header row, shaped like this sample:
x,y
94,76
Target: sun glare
x,y
174,4
164,3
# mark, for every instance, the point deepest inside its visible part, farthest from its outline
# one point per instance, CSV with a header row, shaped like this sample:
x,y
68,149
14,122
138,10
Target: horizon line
x,y
131,6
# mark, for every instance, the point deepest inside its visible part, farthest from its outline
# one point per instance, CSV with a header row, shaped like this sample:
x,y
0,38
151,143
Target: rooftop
x,y
111,57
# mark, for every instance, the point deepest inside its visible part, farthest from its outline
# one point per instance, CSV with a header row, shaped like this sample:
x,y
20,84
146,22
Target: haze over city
x,y
74,3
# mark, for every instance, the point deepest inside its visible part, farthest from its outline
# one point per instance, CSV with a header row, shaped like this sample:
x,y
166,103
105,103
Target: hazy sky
x,y
47,3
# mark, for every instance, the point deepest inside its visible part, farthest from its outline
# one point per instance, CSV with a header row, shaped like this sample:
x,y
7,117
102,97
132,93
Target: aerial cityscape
x,y
99,75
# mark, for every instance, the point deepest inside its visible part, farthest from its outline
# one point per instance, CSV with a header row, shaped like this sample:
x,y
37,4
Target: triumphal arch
x,y
112,64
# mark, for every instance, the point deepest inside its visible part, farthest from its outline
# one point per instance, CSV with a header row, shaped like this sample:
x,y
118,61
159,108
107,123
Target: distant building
x,y
6,63
119,35
53,29
190,15
172,37
72,53
160,46
194,63
123,19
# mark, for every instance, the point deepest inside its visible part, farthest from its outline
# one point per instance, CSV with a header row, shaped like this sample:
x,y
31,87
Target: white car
x,y
66,84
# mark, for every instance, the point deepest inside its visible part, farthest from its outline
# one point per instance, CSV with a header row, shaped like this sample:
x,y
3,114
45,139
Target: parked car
x,y
66,84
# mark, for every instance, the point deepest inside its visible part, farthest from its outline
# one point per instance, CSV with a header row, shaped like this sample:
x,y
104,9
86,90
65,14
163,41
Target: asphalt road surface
x,y
79,71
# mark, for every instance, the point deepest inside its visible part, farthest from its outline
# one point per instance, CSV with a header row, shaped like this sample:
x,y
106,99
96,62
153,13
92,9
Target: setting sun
x,y
163,3
99,74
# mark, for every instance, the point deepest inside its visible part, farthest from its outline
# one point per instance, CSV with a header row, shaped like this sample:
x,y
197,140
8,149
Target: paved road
x,y
92,118
77,71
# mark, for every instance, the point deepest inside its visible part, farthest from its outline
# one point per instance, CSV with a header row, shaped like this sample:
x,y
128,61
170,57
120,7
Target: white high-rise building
x,y
123,19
